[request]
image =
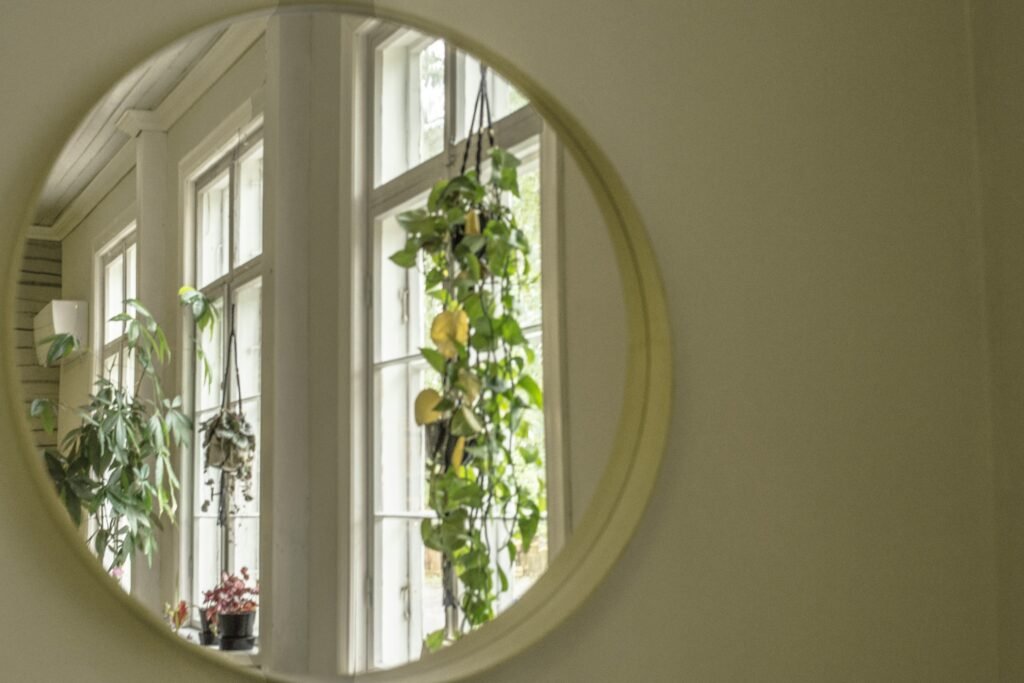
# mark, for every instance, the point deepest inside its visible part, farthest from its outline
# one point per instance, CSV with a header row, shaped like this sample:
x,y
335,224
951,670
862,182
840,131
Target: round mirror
x,y
327,343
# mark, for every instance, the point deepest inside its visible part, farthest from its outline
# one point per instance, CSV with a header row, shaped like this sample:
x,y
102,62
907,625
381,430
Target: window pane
x,y
397,611
206,484
114,295
526,209
398,441
208,387
213,214
430,63
128,371
410,586
410,103
392,304
247,330
111,367
247,501
206,556
503,97
132,277
246,550
249,232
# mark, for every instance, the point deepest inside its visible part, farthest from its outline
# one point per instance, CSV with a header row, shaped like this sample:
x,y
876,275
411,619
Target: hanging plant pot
x,y
236,631
229,441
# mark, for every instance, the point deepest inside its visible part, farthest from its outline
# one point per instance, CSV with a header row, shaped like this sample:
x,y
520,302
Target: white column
x,y
329,272
157,244
284,535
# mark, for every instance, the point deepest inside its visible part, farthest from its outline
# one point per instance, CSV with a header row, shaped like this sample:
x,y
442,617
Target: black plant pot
x,y
206,635
236,631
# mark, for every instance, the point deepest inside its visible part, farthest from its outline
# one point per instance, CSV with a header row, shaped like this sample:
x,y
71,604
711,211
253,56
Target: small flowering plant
x,y
233,595
176,615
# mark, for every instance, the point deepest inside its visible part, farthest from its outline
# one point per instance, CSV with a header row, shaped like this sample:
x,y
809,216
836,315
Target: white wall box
x,y
61,317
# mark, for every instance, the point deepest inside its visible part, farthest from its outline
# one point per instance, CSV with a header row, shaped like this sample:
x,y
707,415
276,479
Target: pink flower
x,y
117,572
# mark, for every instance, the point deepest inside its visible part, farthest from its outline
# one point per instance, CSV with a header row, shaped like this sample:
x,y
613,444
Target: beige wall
x,y
38,284
805,172
999,62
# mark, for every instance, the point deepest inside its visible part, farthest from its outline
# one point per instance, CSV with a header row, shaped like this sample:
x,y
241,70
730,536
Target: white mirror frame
x,y
624,490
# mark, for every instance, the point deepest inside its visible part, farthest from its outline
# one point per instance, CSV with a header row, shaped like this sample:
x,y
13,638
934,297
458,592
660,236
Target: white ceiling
x,y
97,139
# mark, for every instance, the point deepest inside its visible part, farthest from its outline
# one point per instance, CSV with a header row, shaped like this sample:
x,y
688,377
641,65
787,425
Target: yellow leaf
x,y
447,329
424,406
458,452
473,222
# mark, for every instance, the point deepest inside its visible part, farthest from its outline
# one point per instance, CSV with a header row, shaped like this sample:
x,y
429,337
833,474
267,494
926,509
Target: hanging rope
x,y
481,107
225,406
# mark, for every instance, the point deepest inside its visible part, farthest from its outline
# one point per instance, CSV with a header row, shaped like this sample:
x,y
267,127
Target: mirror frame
x,y
625,487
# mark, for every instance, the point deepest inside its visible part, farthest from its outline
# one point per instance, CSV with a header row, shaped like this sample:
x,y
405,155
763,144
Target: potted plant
x,y
229,440
116,465
479,458
208,634
176,615
232,605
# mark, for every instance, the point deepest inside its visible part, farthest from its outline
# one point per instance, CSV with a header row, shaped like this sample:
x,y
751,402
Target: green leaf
x,y
61,346
404,258
417,222
435,194
503,159
46,410
503,579
434,640
532,389
528,524
465,423
435,359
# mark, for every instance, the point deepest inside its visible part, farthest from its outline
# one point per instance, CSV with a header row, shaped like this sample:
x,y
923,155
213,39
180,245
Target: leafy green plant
x,y
475,262
115,466
228,438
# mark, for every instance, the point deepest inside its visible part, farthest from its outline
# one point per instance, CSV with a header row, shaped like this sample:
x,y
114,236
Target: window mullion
x,y
450,109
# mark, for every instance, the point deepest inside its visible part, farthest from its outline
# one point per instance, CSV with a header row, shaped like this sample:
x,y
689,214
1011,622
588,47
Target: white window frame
x,y
382,199
228,158
116,247
106,348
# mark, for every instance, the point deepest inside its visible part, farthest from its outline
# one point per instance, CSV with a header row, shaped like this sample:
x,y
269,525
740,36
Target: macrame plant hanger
x,y
226,486
481,106
477,130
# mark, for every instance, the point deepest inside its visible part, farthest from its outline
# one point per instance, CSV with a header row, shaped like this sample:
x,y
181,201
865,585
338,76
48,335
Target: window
x,y
421,91
118,283
118,262
228,202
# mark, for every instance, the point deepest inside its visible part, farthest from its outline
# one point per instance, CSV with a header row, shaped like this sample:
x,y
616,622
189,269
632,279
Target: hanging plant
x,y
474,258
116,465
228,439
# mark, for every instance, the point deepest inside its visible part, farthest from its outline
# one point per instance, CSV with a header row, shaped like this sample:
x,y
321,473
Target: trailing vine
x,y
475,262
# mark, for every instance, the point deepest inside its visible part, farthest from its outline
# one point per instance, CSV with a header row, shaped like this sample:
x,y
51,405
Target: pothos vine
x,y
475,262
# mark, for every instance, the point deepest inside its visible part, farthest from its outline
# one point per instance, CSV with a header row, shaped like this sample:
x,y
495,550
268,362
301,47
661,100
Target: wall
x,y
111,216
38,284
824,508
999,61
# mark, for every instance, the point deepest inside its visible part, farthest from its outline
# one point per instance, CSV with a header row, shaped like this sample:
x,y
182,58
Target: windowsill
x,y
243,658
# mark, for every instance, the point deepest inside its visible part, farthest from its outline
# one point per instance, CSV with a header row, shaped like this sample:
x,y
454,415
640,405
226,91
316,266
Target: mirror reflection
x,y
322,341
